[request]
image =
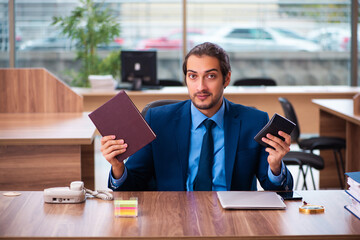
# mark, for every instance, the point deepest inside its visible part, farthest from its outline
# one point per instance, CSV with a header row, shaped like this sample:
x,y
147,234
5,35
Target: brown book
x,y
120,117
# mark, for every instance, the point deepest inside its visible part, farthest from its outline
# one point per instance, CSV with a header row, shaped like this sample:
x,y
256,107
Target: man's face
x,y
205,83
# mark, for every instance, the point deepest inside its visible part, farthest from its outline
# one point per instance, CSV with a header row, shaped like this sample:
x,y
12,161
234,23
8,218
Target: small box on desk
x,y
126,208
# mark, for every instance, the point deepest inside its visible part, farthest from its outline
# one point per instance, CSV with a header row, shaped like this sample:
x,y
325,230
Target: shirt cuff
x,y
277,180
115,183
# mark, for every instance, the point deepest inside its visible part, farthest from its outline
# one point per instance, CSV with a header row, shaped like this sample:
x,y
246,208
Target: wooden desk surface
x,y
230,90
45,149
343,108
46,128
176,215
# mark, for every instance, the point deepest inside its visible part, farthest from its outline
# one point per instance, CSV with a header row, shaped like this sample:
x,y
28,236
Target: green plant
x,y
111,64
89,25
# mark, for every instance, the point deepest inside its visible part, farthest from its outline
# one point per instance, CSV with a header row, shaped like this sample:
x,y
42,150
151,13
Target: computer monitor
x,y
139,68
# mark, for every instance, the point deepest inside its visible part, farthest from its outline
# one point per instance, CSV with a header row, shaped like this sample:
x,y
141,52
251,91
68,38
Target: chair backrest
x,y
151,185
158,103
255,82
170,82
290,114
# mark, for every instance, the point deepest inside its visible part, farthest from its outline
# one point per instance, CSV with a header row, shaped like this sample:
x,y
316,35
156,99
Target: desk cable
x,y
102,194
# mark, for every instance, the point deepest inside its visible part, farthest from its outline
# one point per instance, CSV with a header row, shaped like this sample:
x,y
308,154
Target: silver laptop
x,y
250,200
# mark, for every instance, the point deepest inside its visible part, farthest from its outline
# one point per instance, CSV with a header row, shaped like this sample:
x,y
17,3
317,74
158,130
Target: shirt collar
x,y
198,117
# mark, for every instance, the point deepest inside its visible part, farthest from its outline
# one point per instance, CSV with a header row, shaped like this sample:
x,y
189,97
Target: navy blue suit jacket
x,y
165,160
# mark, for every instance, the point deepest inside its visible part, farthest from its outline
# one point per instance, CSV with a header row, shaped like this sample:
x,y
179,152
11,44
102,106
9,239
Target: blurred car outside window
x,y
172,41
4,37
58,42
332,38
237,38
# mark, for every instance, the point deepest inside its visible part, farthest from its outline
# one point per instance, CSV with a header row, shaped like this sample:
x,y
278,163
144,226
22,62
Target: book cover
x,y
353,210
354,175
120,117
354,195
354,192
353,181
277,123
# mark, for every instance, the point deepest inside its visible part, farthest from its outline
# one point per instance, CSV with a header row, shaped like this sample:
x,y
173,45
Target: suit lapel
x,y
182,136
232,124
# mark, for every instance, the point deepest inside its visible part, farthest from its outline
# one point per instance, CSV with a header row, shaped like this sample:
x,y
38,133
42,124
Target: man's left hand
x,y
281,148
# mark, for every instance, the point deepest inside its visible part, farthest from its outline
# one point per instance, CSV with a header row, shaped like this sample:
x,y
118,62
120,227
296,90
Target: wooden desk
x,y
40,150
337,119
175,215
263,98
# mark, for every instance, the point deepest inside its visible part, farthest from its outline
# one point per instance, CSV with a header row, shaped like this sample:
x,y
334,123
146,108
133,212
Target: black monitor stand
x,y
136,84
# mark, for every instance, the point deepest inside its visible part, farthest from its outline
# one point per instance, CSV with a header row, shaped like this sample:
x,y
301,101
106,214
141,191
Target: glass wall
x,y
143,25
155,25
4,34
293,42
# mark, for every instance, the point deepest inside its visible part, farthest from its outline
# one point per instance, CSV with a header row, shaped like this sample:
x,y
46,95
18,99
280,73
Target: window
x,y
296,42
293,42
142,27
4,34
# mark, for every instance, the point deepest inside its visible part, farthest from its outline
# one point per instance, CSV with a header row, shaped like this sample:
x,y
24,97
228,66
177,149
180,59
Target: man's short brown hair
x,y
211,50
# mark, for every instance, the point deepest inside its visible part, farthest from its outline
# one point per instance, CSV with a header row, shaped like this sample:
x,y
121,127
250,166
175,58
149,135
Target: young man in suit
x,y
174,161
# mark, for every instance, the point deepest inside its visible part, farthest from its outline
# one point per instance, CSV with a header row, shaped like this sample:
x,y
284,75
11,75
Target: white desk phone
x,y
76,193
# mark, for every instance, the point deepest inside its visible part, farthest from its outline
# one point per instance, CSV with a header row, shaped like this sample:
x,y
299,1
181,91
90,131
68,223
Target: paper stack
x,y
126,208
104,82
354,193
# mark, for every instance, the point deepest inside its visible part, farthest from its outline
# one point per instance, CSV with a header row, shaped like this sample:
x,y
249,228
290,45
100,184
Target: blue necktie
x,y
203,180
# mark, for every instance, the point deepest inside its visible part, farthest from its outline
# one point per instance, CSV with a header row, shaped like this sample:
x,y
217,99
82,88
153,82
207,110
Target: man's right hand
x,y
110,148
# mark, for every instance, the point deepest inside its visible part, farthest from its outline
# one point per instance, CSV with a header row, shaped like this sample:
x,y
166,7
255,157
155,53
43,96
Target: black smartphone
x,y
290,195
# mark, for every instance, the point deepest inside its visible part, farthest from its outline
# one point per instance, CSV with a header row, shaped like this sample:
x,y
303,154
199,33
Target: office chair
x,y
170,82
152,183
255,82
316,143
304,159
157,103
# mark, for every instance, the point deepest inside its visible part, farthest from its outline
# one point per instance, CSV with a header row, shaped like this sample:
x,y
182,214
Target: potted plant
x,y
90,25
